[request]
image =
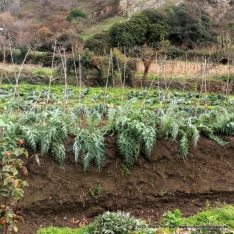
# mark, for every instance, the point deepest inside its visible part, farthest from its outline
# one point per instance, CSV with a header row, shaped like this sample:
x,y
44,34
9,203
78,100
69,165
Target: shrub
x,y
174,52
75,14
231,25
99,44
188,24
114,222
11,188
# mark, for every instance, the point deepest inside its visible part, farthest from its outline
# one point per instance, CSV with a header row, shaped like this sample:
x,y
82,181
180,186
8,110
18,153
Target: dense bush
x,y
75,14
188,24
158,28
99,44
149,26
114,222
174,52
184,24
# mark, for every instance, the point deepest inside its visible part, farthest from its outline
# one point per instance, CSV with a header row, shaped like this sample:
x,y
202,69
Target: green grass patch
x,y
221,215
103,26
57,230
42,71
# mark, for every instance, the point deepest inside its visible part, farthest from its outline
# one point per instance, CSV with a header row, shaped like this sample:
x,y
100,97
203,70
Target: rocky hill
x,y
47,19
40,10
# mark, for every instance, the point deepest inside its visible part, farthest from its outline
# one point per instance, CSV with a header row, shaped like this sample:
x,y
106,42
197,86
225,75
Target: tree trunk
x,y
147,64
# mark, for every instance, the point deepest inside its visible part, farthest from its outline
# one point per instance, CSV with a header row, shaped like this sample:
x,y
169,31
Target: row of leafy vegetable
x,y
152,98
45,131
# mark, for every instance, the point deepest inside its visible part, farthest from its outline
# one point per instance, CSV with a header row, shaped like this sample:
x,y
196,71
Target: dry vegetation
x,y
187,68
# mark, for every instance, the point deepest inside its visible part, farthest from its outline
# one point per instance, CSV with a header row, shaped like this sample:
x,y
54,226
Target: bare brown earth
x,y
61,197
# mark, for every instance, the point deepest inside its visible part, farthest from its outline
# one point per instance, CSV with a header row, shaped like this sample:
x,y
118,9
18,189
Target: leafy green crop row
x,y
211,220
150,99
45,131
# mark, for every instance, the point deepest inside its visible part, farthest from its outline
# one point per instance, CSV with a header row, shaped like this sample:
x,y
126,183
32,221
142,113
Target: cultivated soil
x,y
62,196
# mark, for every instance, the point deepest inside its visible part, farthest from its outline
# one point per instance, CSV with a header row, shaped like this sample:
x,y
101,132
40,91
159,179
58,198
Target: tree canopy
x,y
183,24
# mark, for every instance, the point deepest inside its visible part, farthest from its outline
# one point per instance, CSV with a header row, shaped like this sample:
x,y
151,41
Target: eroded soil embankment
x,y
65,197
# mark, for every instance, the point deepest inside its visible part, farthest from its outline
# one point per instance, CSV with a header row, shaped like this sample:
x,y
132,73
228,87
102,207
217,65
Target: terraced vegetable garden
x,y
97,149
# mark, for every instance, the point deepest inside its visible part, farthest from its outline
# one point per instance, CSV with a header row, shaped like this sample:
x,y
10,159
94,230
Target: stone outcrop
x,y
216,8
129,7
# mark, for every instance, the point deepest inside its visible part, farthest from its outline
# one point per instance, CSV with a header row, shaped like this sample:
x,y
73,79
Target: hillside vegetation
x,y
94,29
45,19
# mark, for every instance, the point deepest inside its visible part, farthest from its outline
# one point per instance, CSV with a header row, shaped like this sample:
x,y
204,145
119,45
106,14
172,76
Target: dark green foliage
x,y
75,14
45,59
182,24
158,28
86,58
1,56
188,24
17,56
121,36
127,77
99,44
231,25
128,69
148,26
174,52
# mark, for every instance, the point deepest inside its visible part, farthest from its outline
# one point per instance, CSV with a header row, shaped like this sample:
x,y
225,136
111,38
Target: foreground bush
x,y
114,222
11,187
122,223
109,222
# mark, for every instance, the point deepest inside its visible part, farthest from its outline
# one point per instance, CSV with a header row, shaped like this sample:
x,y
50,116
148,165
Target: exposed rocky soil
x,y
62,197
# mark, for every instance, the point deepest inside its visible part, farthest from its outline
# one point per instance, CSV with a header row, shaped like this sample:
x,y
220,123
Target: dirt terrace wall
x,y
58,196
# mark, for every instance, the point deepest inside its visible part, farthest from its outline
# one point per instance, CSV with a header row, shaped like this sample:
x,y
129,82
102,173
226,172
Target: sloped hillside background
x,y
50,17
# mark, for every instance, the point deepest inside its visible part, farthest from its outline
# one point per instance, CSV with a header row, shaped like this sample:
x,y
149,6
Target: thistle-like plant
x,y
45,132
91,145
134,128
90,140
